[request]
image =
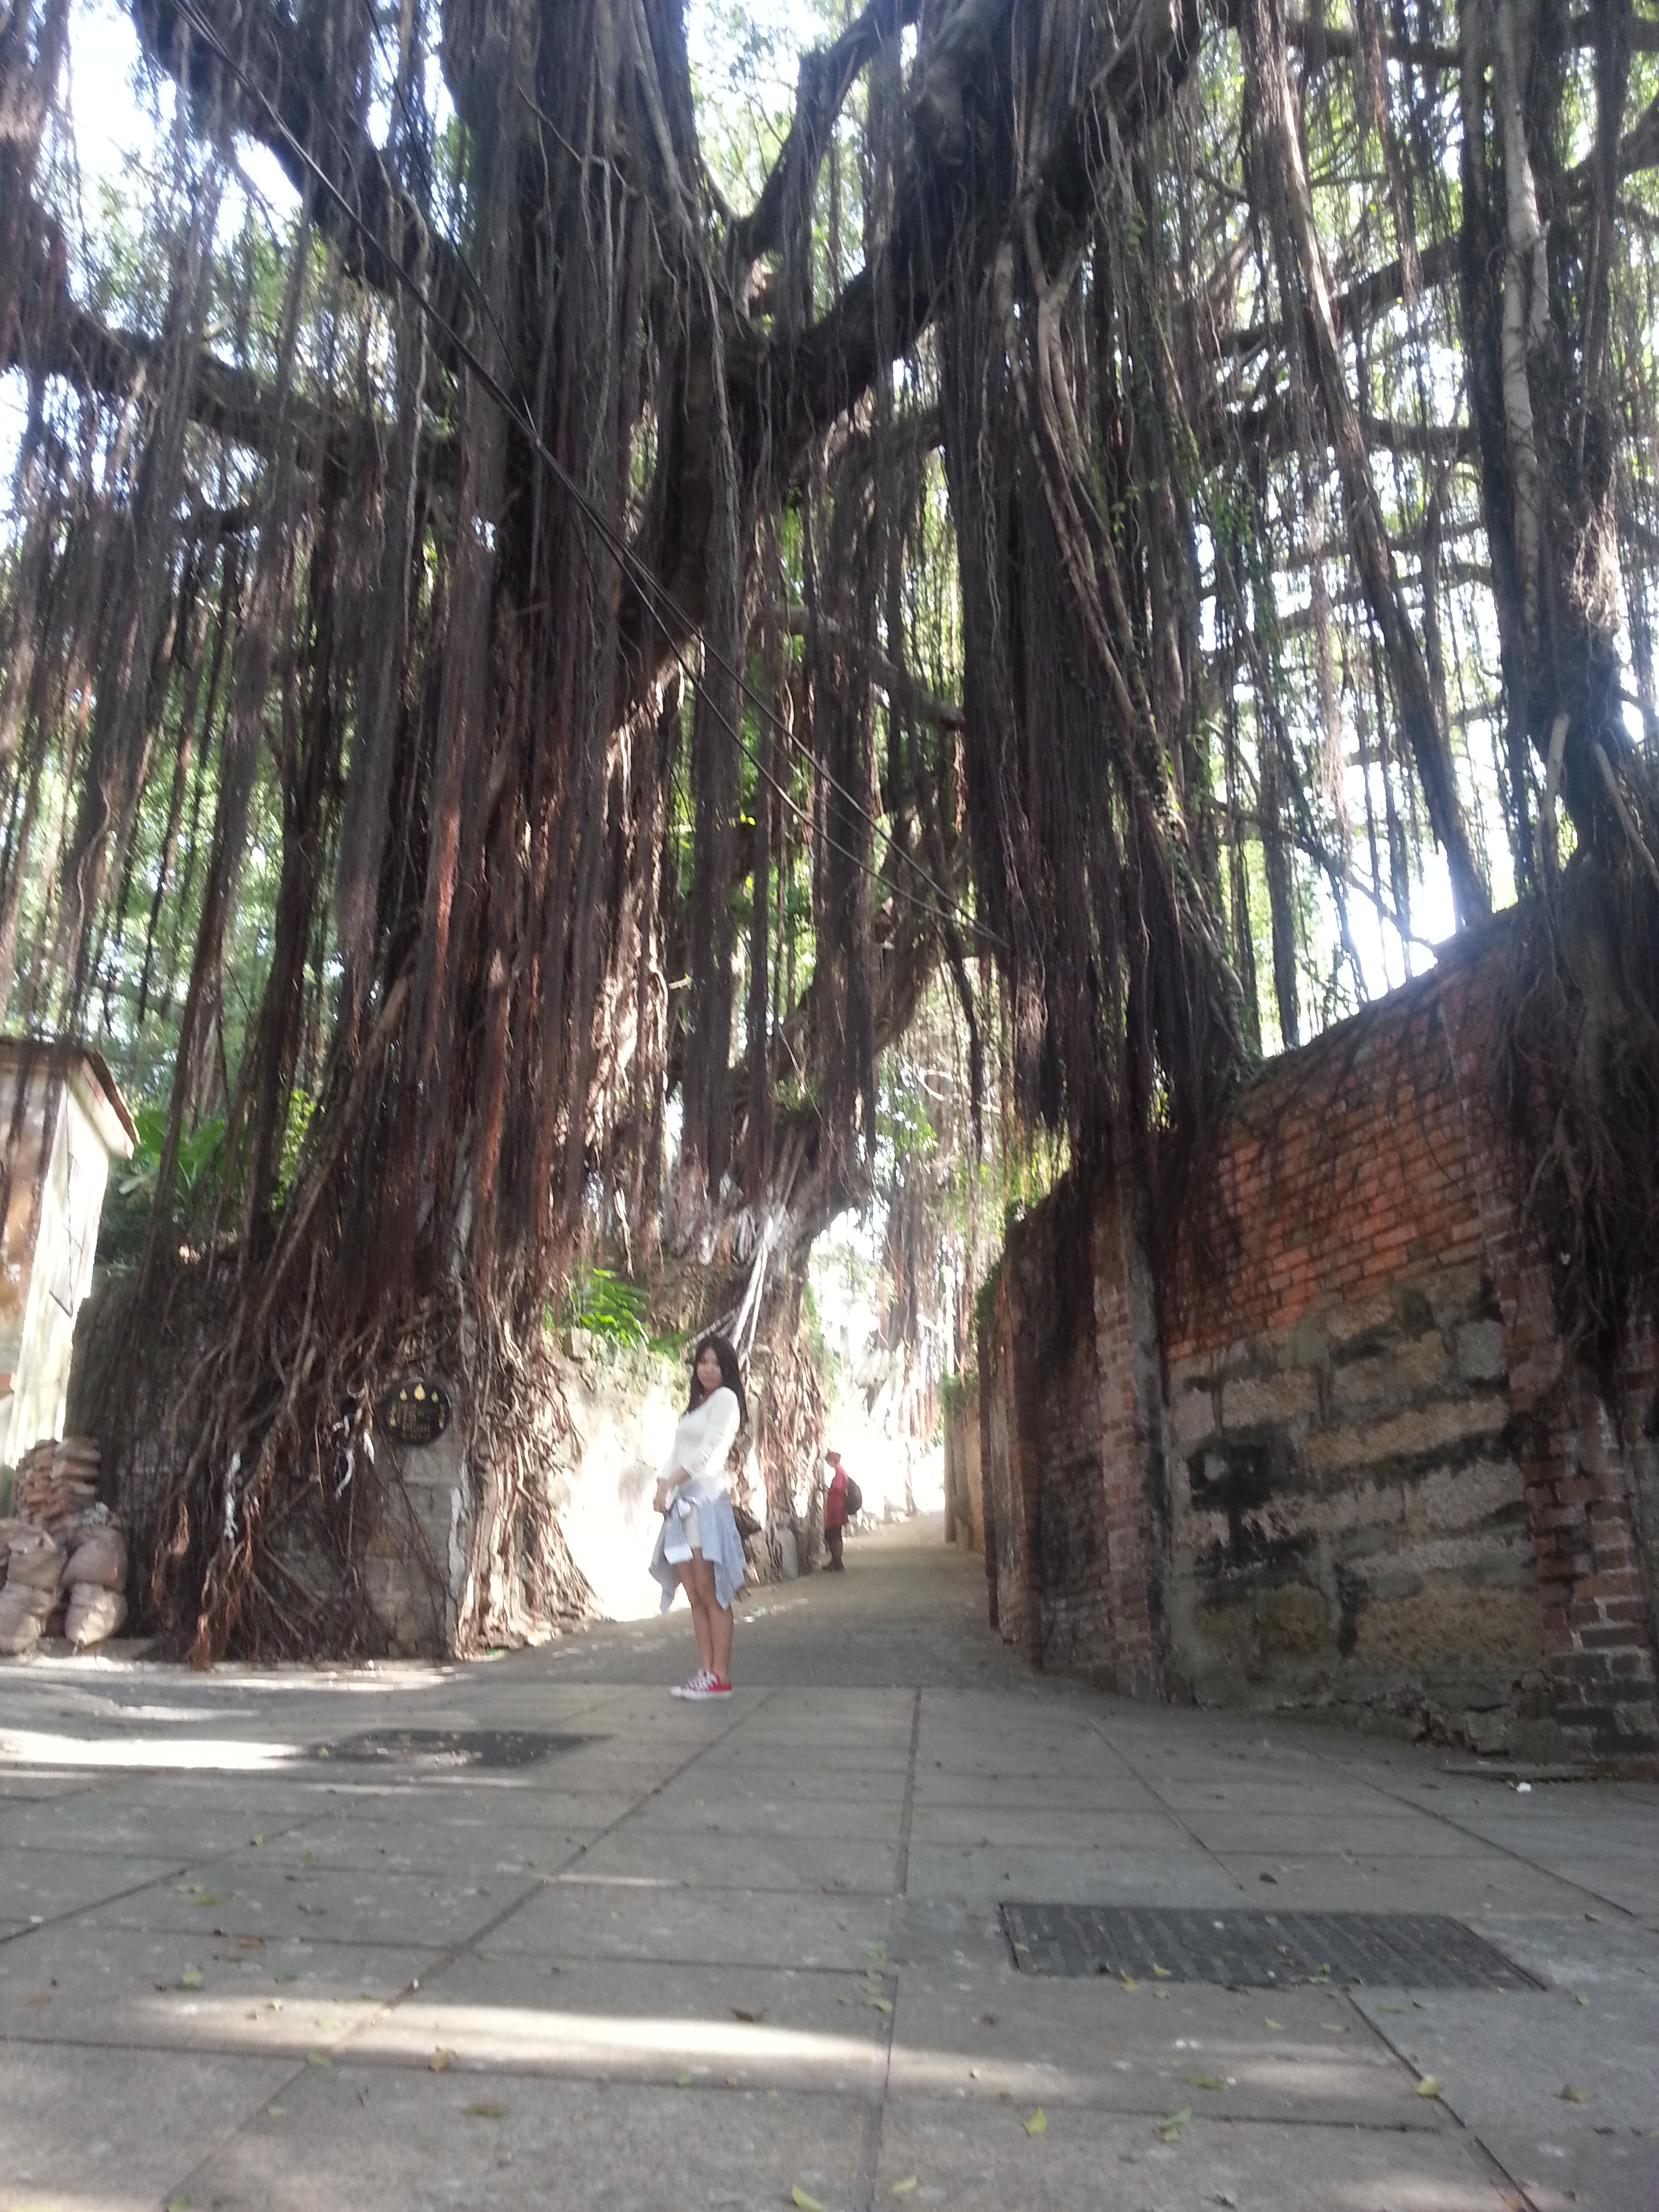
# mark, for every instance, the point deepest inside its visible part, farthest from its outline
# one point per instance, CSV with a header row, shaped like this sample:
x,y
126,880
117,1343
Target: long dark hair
x,y
722,1348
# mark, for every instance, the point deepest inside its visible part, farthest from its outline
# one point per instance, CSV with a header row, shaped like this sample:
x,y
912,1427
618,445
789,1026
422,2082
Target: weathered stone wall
x,y
1337,1459
964,1493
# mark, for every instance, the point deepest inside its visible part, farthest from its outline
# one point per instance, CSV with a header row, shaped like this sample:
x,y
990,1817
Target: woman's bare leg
x,y
686,1573
719,1618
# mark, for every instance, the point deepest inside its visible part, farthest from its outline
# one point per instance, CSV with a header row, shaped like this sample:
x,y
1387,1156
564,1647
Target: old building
x,y
65,1122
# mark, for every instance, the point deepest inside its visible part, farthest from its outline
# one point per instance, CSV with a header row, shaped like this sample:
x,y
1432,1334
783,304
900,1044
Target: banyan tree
x,y
1130,507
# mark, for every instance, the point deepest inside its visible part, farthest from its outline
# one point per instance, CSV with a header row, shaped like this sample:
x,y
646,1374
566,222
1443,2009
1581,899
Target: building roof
x,y
69,1057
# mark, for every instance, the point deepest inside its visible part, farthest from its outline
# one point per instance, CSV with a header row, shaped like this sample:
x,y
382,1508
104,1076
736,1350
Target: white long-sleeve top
x,y
702,1439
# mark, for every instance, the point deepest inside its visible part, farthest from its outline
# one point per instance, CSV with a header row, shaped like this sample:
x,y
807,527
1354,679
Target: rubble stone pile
x,y
60,1549
57,1481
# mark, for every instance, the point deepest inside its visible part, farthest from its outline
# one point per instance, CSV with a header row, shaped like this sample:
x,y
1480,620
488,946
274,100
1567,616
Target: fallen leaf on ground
x,y
1428,2087
1578,2000
905,2188
1278,2023
1271,1878
1204,2081
682,2080
753,2019
1037,2123
1127,1980
484,2111
180,2203
439,2061
798,2195
1170,2125
189,1980
318,2058
1391,2007
1163,1972
1569,2095
276,2112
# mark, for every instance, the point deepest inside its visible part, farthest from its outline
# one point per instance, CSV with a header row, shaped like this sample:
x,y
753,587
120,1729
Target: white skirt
x,y
701,1523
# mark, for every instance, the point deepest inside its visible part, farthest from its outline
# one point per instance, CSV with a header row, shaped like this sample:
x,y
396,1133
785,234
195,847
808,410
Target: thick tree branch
x,y
951,194
827,75
55,336
1357,303
280,87
1339,42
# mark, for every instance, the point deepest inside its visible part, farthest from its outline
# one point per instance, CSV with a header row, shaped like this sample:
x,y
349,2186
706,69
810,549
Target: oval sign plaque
x,y
415,1412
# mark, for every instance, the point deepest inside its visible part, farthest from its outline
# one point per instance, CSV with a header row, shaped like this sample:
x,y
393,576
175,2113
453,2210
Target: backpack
x,y
854,1499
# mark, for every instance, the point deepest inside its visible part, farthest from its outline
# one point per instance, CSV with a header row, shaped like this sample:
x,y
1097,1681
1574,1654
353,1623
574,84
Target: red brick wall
x,y
1335,1458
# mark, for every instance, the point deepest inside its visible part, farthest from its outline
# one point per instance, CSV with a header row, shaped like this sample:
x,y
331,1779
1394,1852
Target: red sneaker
x,y
709,1686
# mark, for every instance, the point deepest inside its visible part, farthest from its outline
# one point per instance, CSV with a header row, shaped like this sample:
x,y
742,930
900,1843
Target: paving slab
x,y
707,1956
41,1886
116,2134
410,2140
577,1917
156,1991
747,2027
981,2159
1180,1873
746,1862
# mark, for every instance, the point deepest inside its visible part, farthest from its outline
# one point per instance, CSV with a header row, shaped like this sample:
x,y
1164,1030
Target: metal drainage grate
x,y
1258,1950
431,1751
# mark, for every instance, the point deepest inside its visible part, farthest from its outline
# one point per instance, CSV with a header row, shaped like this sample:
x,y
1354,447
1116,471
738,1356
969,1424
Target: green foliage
x,y
955,1390
607,1306
131,1193
985,1299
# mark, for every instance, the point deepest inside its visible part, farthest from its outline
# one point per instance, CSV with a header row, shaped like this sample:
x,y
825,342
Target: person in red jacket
x,y
842,1501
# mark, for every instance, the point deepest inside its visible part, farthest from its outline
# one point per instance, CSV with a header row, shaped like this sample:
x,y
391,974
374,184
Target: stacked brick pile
x,y
57,1481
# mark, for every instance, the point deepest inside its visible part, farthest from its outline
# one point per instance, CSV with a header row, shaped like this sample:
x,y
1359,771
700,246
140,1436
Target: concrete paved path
x,y
704,1957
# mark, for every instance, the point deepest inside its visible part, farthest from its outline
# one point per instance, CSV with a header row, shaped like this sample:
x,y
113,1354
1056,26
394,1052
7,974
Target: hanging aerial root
x,y
304,1528
1578,1080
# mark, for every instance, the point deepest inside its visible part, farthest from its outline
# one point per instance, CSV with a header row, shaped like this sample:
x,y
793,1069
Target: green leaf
x,y
1204,2081
1170,2125
1037,2123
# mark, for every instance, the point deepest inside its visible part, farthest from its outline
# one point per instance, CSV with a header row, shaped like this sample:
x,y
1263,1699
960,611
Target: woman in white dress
x,y
698,1548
